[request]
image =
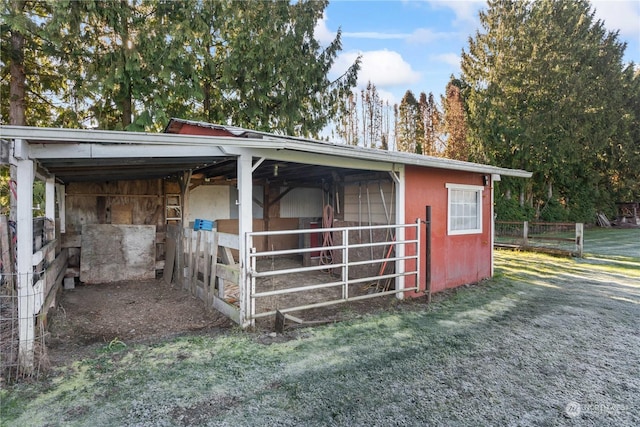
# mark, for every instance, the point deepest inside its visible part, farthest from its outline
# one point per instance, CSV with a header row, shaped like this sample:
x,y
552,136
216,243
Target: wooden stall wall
x,y
136,202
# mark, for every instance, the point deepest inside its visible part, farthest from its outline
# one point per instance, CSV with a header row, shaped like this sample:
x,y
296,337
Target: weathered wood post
x,y
525,234
579,238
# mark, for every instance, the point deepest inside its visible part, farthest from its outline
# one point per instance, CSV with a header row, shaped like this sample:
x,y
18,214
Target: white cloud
x,y
387,96
448,58
619,15
376,35
466,11
420,35
384,68
425,35
322,33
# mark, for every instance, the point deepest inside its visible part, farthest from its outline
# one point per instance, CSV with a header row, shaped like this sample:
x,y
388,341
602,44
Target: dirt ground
x,y
91,316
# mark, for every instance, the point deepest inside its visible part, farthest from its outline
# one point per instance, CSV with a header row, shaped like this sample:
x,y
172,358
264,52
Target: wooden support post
x,y
279,325
245,225
187,257
580,239
26,301
60,195
525,234
50,199
178,277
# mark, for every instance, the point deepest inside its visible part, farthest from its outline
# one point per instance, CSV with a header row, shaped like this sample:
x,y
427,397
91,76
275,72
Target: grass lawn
x,y
547,341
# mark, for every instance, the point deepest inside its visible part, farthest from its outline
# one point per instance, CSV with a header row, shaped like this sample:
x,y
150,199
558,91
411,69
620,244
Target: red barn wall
x,y
455,259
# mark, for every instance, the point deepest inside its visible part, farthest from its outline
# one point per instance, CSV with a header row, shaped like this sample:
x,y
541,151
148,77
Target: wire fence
x,y
563,237
14,348
22,334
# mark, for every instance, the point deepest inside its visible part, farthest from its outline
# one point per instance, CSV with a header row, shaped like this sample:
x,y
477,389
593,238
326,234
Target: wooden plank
x,y
229,240
50,278
228,273
47,252
5,248
121,214
214,261
229,310
187,267
71,240
56,269
170,257
195,260
207,264
226,255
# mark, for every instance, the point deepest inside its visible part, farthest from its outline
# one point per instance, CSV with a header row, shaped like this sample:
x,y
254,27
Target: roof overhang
x,y
81,154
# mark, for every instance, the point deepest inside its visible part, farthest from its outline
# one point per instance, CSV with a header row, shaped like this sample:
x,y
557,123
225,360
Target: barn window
x,y
465,209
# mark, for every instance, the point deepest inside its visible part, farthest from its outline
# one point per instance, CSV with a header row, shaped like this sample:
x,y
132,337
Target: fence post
x,y
525,234
579,238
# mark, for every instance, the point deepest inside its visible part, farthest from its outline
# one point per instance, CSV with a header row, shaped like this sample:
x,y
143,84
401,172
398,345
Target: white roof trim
x,y
78,136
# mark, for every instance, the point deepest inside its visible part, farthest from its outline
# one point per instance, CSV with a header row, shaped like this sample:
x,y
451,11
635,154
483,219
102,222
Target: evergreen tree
x,y
131,64
407,121
455,126
29,79
372,107
347,123
544,93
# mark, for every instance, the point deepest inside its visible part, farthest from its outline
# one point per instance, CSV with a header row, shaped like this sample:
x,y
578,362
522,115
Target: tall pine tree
x,y
544,94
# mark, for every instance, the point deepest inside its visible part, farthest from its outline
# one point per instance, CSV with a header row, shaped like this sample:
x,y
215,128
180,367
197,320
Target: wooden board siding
x,y
111,253
356,206
137,202
94,203
275,242
455,259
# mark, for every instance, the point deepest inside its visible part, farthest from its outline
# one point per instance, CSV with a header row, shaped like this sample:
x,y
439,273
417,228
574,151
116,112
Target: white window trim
x,y
478,189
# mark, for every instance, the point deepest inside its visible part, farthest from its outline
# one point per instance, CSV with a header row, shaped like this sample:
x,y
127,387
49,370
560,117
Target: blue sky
x,y
417,44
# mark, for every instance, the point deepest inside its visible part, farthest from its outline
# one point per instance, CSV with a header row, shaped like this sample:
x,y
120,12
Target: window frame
x,y
478,189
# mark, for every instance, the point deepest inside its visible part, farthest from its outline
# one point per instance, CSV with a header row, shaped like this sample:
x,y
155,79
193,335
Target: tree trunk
x,y
17,103
206,102
126,106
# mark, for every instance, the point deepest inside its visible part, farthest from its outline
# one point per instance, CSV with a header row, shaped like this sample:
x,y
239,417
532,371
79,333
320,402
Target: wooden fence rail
x,y
566,237
206,266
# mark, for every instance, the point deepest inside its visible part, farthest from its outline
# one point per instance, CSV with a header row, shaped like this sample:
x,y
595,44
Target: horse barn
x,y
255,224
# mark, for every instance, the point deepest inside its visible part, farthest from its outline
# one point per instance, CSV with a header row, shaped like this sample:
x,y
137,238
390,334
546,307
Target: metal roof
x,y
398,157
82,154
